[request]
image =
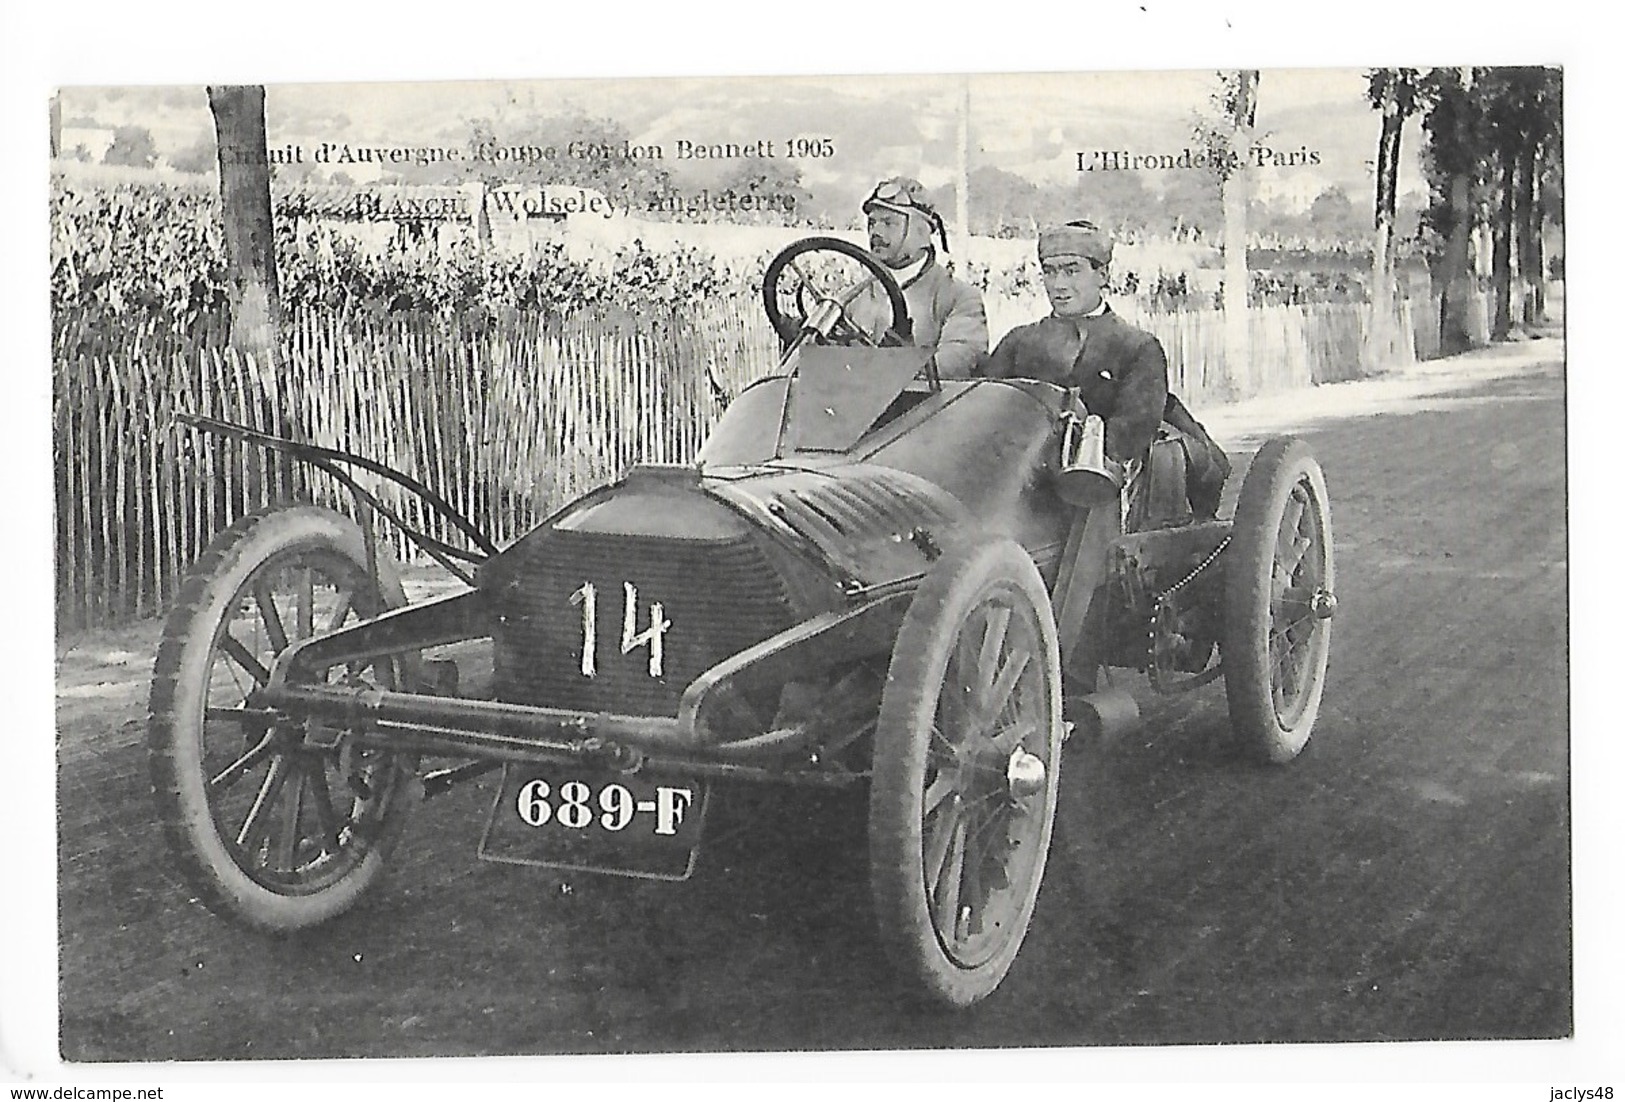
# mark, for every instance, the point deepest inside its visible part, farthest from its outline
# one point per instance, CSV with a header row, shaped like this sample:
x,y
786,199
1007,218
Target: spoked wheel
x,y
1279,601
279,824
966,758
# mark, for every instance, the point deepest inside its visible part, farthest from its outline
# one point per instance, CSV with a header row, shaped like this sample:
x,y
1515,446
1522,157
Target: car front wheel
x,y
278,823
967,756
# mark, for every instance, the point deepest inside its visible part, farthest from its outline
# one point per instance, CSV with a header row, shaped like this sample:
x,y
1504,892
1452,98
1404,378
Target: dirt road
x,y
1408,877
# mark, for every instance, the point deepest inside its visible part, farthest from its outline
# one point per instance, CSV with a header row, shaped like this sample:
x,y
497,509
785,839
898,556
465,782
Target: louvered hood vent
x,y
872,524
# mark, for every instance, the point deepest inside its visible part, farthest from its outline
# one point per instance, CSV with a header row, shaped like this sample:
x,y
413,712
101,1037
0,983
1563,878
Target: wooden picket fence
x,y
508,419
1476,316
1291,346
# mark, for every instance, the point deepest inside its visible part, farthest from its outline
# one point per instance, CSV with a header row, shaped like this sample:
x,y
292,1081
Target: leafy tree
x,y
1194,203
777,181
1549,197
132,145
294,174
1119,201
1226,134
1006,204
198,158
1506,112
1332,215
1521,107
1397,94
1535,113
1001,203
1546,176
1454,128
1280,218
1494,142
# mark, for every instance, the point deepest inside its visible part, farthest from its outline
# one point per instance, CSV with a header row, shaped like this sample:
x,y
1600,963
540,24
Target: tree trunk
x,y
245,209
245,206
1529,252
1501,249
1234,192
1380,346
1456,279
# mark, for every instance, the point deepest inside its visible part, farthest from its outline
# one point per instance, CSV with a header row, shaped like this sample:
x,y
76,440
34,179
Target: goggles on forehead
x,y
890,191
902,197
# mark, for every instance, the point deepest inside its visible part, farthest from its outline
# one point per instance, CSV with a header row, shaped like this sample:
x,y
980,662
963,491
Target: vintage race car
x,y
869,576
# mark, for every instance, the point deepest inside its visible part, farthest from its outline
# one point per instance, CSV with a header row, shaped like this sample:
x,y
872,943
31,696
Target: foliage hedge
x,y
130,251
124,250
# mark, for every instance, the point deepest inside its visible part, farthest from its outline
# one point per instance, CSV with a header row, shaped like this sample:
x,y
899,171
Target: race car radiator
x,y
622,623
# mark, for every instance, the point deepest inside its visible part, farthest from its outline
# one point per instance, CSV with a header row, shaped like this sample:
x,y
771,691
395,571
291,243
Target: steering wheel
x,y
827,319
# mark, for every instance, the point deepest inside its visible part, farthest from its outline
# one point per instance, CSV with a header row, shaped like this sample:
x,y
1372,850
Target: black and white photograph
x,y
786,564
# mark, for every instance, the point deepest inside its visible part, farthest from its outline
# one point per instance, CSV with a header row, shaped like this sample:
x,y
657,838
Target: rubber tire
x,y
174,728
1280,465
914,682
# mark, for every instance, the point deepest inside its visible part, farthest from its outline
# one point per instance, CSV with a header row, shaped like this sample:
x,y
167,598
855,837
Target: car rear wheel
x,y
966,759
1279,601
279,824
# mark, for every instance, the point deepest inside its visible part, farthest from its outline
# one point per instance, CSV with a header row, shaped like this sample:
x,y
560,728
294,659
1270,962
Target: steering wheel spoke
x,y
807,281
834,323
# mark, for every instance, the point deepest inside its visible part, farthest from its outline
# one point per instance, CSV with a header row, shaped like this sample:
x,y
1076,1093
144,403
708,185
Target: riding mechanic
x,y
1118,371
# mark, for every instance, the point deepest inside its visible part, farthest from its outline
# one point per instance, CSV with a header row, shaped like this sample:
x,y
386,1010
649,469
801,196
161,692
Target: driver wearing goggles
x,y
947,315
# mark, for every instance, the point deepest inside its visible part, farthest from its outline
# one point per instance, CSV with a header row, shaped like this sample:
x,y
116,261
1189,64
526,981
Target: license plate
x,y
625,824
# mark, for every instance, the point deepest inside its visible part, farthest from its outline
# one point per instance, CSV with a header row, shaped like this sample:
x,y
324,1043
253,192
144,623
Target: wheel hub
x,y
1024,774
984,769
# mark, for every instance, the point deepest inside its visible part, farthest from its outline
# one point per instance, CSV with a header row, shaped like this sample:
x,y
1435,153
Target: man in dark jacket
x,y
1118,371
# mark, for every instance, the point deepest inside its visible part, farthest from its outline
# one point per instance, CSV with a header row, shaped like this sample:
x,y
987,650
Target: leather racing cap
x,y
902,194
905,195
